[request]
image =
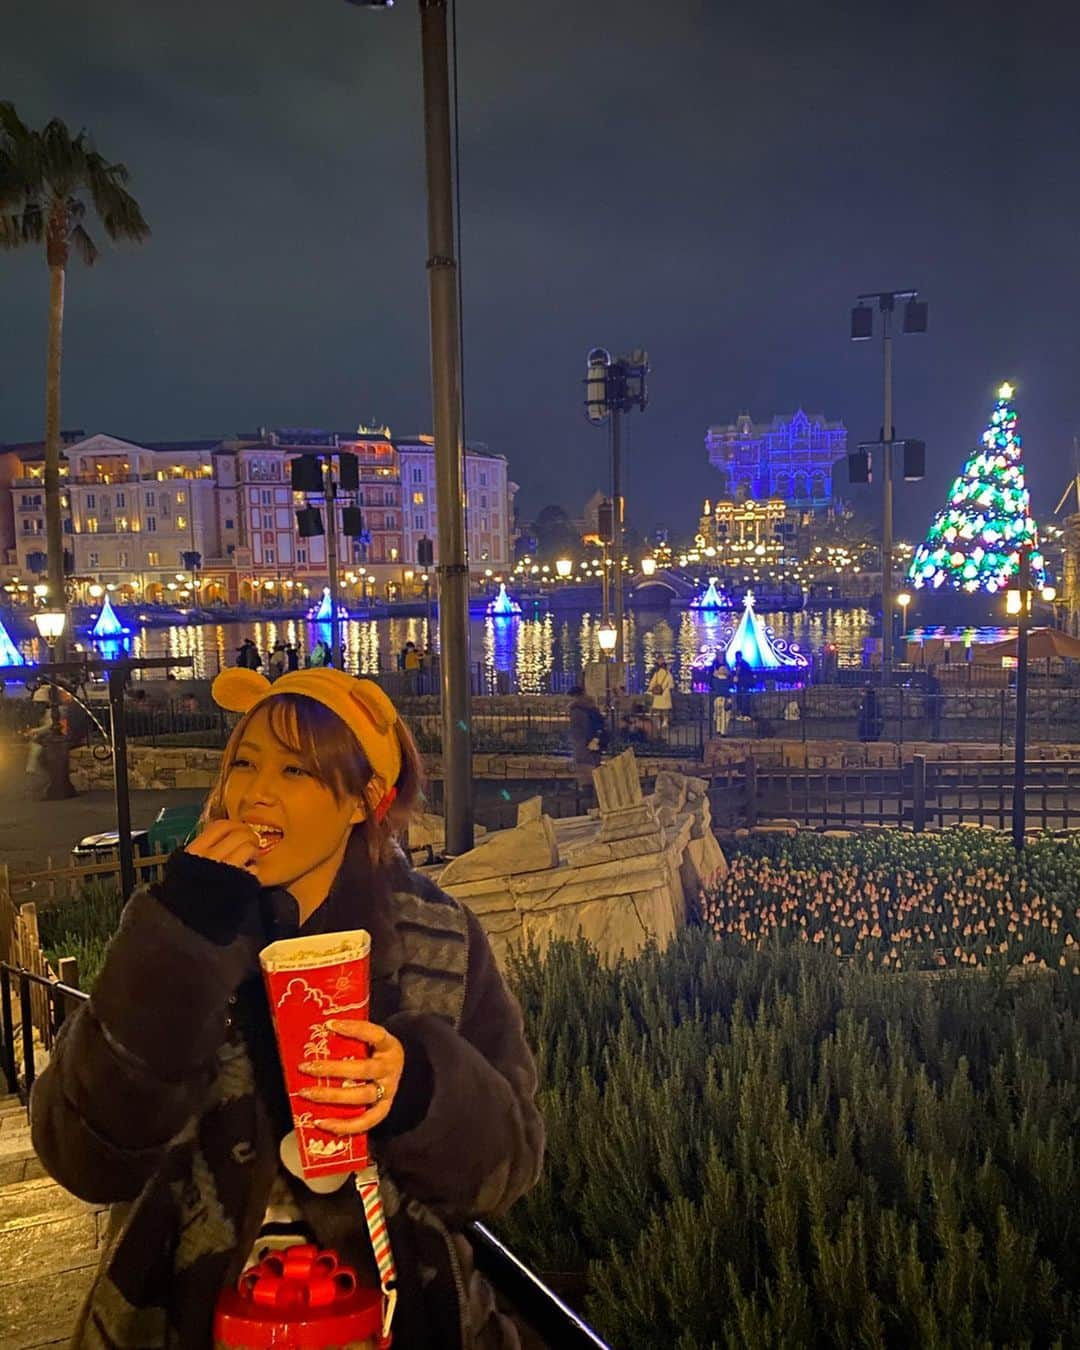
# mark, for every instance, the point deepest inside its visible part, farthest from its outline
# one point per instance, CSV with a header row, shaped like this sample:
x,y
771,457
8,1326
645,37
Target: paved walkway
x,y
32,832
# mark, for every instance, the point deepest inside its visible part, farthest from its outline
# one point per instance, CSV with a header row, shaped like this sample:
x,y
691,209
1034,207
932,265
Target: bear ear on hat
x,y
238,689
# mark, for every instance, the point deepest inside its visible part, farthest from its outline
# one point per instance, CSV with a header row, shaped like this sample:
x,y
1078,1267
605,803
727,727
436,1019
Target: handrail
x,y
539,1305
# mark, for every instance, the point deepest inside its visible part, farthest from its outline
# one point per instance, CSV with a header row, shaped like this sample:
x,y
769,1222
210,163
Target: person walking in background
x,y
934,700
744,682
660,689
320,655
247,655
276,661
588,734
292,656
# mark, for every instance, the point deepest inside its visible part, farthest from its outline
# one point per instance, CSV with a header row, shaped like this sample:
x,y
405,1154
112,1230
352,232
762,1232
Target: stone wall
x,y
623,876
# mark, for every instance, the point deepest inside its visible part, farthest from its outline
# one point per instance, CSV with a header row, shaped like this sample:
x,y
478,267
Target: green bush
x,y
754,1147
81,928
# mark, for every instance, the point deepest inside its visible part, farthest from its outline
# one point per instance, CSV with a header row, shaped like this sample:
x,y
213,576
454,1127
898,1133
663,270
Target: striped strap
x,y
367,1183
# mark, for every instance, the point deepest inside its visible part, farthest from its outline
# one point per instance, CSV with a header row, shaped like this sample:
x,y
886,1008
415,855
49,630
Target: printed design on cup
x,y
310,981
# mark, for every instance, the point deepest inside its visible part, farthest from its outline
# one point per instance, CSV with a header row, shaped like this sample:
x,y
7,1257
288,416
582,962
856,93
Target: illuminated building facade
x,y
790,458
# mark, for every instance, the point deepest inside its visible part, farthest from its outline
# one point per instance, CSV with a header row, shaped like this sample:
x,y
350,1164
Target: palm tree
x,y
49,180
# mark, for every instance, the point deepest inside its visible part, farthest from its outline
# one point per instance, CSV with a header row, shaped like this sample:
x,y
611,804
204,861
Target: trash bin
x,y
173,826
104,848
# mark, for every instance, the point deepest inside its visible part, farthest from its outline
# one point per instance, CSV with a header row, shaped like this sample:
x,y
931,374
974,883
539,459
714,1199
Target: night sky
x,y
712,181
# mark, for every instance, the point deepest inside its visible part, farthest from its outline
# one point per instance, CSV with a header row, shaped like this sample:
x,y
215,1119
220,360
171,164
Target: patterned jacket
x,y
164,1099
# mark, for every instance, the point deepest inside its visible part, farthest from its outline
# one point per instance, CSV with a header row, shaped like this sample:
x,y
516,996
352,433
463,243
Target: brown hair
x,y
331,753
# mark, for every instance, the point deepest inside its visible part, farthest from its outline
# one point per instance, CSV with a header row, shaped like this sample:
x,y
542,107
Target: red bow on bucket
x,y
299,1277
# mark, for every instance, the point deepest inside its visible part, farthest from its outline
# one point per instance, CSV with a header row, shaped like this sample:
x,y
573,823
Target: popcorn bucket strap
x,y
367,1183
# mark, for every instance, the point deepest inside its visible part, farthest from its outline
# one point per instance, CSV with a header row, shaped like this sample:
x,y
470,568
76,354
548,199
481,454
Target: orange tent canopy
x,y
1044,644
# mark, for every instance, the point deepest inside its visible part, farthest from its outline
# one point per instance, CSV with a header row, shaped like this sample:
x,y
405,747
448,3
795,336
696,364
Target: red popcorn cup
x,y
310,981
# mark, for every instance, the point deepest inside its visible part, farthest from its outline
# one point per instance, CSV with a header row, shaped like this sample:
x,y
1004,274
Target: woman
x,y
164,1095
660,688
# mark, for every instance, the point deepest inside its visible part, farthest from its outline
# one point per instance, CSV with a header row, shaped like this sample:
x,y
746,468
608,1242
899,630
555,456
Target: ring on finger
x,y
380,1091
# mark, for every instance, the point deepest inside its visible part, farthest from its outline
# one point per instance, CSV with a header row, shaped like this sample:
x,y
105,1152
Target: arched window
x,y
782,486
801,487
819,487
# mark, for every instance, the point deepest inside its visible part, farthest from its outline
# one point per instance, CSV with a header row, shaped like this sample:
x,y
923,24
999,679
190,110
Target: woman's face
x,y
303,827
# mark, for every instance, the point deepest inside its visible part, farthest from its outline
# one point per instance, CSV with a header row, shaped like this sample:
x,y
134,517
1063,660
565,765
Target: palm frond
x,y
119,211
84,246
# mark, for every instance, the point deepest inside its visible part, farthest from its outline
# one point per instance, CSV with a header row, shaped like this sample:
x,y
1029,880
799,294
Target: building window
x,y
122,558
90,502
418,474
388,522
28,525
151,524
268,555
418,522
120,500
122,524
153,558
256,520
180,498
418,499
301,555
229,523
483,478
267,497
483,499
150,498
181,522
91,524
92,560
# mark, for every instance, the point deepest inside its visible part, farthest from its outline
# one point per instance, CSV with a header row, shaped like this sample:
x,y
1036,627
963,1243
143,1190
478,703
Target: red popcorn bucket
x,y
310,981
299,1299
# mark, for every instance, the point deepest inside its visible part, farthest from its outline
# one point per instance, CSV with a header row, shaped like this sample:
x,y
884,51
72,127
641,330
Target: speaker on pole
x,y
306,474
348,472
352,521
309,521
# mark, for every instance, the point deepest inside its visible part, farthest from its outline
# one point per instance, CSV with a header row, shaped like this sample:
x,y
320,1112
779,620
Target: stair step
x,y
51,1245
30,1202
19,1167
43,1311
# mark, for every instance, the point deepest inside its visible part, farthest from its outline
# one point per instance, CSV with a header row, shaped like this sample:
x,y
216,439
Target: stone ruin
x,y
627,873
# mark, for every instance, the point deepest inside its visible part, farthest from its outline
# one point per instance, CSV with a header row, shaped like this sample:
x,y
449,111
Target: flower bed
x,y
904,901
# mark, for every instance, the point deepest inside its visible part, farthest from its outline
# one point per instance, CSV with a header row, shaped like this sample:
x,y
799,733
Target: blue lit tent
x,y
503,607
321,613
9,653
108,626
710,598
761,649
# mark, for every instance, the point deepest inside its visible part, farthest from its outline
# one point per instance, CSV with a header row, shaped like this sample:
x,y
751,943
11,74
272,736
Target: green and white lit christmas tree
x,y
976,542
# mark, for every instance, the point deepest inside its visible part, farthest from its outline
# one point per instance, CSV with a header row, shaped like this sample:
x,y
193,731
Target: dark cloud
x,y
712,181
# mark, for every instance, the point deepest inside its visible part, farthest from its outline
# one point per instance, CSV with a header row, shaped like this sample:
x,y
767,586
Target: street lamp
x,y
862,328
648,566
606,636
453,573
50,626
1018,602
564,566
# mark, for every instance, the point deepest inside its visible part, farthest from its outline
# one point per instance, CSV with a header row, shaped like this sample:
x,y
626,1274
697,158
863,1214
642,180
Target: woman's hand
x,y
362,1078
227,841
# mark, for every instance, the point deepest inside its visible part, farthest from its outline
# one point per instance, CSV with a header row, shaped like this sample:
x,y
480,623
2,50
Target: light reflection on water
x,y
527,650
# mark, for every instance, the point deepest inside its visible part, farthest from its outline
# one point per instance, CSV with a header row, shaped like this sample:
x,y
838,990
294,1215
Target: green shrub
x,y
755,1147
82,928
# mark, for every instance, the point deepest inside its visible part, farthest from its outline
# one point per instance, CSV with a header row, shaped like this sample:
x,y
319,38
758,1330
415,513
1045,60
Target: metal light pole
x,y
862,328
330,493
611,389
453,568
1020,739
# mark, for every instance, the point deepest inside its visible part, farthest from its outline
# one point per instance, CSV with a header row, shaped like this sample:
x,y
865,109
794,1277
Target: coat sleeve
x,y
132,1067
480,1144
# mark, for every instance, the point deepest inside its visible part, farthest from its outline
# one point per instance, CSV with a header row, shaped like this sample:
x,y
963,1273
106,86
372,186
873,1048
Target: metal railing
x,y
921,794
537,1304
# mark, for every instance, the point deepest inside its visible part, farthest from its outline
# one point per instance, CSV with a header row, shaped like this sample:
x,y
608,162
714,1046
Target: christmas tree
x,y
976,542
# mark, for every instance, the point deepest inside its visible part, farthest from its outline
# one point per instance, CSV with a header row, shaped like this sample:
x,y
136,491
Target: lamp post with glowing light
x,y
564,566
453,569
54,747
